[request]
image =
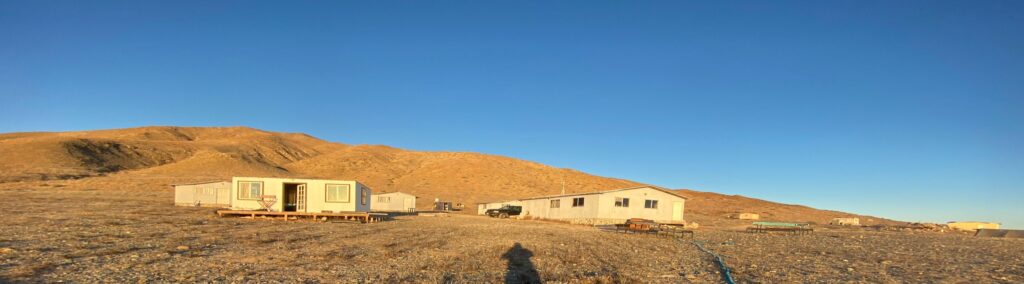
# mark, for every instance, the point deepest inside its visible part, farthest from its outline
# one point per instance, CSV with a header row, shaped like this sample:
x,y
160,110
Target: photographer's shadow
x,y
520,268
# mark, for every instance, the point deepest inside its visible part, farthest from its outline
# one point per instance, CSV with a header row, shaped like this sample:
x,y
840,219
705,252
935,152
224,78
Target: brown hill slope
x,y
716,209
158,150
153,157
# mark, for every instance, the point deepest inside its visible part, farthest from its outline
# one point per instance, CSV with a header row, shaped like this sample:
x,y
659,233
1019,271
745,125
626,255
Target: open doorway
x,y
294,197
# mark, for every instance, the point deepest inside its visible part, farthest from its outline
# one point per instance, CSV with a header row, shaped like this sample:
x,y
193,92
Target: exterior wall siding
x,y
636,209
316,195
541,208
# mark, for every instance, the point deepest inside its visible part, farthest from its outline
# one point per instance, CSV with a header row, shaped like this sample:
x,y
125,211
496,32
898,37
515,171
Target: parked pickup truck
x,y
505,211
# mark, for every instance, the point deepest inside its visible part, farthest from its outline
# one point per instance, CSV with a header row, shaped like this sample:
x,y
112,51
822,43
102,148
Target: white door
x,y
677,211
409,205
300,203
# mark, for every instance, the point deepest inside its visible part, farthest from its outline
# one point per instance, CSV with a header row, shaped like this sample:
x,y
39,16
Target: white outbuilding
x,y
604,207
845,221
205,194
393,202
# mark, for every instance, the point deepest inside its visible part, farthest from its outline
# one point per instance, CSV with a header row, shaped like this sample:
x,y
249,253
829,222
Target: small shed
x,y
747,216
845,221
393,202
205,194
442,205
971,226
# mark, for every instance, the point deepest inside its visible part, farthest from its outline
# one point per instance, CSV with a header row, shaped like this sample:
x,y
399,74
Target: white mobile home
x,y
605,207
299,195
205,194
393,202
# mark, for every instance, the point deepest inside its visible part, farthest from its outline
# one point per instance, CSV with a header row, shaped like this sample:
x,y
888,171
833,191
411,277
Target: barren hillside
x,y
715,209
155,157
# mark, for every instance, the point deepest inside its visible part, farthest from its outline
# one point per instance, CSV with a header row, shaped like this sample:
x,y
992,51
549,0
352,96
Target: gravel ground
x,y
60,234
869,256
111,236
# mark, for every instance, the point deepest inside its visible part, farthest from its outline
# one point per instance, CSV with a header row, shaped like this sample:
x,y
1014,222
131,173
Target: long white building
x,y
604,207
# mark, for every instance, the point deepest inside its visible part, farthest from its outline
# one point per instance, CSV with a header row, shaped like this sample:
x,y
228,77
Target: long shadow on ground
x,y
520,267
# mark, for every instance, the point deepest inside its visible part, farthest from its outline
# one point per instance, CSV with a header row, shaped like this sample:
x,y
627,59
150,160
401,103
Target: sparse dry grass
x,y
129,236
113,236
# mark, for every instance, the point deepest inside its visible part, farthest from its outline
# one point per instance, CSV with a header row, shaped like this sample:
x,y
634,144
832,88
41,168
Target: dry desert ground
x,y
88,236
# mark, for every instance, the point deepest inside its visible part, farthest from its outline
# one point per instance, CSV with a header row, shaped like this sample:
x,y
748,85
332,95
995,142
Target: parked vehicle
x,y
505,211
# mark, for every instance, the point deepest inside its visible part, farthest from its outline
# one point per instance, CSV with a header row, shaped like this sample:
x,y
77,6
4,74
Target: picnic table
x,y
643,226
795,228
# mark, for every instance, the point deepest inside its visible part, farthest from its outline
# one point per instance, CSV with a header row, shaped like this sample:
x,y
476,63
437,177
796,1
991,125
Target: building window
x,y
556,203
577,202
653,204
364,196
384,199
338,193
250,189
621,202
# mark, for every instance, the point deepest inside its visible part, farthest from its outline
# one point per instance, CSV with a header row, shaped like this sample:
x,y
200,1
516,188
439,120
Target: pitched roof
x,y
396,192
203,182
658,188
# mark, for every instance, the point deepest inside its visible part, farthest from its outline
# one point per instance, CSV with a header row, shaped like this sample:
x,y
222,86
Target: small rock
x,y
6,250
691,277
182,248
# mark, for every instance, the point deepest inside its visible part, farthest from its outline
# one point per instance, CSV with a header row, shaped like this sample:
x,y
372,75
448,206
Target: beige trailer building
x,y
205,194
746,216
605,207
845,221
393,202
972,226
299,195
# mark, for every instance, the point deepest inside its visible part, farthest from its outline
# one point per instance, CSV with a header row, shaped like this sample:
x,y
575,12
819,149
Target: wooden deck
x,y
364,217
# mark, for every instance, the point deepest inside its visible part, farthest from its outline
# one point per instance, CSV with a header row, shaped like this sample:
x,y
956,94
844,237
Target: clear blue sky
x,y
905,109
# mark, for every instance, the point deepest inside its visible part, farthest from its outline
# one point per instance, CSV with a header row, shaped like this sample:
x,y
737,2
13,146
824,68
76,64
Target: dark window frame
x,y
651,203
622,202
578,202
